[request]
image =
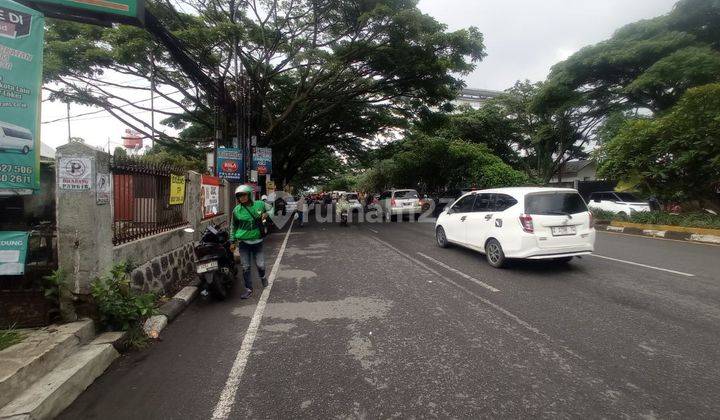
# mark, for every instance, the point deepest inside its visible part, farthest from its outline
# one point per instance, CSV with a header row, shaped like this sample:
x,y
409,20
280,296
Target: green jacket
x,y
243,225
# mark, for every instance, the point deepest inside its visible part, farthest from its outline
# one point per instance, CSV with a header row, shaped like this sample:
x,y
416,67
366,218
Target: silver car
x,y
395,203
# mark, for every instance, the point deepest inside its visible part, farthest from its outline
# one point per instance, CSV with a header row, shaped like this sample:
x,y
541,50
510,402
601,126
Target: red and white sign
x,y
210,196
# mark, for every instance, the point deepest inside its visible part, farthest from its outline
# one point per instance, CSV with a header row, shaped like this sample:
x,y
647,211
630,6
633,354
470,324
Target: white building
x,y
475,98
576,170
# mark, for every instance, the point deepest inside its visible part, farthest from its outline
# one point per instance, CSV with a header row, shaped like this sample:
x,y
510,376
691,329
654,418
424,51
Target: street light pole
x,y
68,121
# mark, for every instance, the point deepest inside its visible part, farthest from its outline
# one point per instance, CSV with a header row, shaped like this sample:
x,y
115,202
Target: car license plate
x,y
206,266
563,230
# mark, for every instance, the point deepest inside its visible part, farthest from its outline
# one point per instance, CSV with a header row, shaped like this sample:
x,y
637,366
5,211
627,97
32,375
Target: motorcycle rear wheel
x,y
217,287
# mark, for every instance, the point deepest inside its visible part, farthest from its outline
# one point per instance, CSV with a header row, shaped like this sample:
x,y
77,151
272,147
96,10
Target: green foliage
x,y
648,64
433,164
187,160
120,307
698,220
324,75
604,215
10,337
54,284
676,156
120,152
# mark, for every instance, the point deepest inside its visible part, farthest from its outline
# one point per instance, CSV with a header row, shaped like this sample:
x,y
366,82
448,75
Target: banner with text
x,y
13,249
230,164
177,189
262,160
210,196
21,63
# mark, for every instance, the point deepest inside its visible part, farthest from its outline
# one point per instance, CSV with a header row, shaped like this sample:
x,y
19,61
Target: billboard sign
x,y
21,63
121,11
230,164
262,160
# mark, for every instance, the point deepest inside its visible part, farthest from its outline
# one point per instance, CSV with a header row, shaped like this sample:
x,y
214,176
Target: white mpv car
x,y
13,137
621,203
532,223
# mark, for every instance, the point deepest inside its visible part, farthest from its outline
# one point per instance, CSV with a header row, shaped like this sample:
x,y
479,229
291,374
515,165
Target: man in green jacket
x,y
247,216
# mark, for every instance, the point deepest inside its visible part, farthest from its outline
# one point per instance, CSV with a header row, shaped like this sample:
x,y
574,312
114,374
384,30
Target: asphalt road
x,y
374,320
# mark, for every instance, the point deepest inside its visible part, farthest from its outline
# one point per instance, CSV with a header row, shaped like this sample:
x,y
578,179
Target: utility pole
x,y
68,121
152,102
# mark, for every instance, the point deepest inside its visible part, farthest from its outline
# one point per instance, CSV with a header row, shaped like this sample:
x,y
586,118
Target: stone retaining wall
x,y
163,274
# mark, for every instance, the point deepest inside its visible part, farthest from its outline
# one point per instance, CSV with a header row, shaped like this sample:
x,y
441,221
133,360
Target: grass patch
x,y
10,337
696,220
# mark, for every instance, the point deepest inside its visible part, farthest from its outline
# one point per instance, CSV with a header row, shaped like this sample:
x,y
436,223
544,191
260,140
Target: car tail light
x,y
393,202
527,223
592,221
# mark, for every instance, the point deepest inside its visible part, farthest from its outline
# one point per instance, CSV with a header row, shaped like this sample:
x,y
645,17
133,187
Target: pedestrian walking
x,y
247,230
302,209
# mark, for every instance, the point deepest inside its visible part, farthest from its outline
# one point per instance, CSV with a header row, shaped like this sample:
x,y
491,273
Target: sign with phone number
x,y
21,63
16,174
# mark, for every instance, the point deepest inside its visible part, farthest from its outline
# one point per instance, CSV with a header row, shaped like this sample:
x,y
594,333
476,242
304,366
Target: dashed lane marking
x,y
458,272
225,403
643,265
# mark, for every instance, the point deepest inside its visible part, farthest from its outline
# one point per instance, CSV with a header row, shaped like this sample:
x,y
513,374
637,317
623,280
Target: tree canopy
x,y
676,156
321,75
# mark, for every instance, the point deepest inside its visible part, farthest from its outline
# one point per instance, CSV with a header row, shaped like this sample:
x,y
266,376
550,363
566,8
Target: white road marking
x,y
225,404
643,265
459,273
507,313
373,231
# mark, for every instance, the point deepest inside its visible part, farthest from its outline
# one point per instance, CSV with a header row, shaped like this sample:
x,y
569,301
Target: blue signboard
x,y
230,164
262,160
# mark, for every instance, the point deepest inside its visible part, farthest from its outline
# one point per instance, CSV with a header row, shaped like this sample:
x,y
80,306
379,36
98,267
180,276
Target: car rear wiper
x,y
560,213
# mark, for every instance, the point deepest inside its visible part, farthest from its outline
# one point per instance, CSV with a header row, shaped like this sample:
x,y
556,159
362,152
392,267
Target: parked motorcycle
x,y
214,261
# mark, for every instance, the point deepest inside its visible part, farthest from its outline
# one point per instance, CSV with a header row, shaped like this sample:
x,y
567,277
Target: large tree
x,y
321,75
645,66
676,156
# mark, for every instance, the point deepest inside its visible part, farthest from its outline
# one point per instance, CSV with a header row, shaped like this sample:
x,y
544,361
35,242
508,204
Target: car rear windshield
x,y
406,194
352,196
554,203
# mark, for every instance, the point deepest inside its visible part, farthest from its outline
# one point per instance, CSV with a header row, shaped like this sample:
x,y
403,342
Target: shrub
x,y
10,337
699,220
120,307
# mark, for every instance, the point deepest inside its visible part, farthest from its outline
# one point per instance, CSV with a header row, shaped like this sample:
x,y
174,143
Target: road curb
x,y
655,233
169,311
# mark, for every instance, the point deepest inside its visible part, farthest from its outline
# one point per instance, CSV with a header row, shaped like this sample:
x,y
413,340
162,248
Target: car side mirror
x,y
449,210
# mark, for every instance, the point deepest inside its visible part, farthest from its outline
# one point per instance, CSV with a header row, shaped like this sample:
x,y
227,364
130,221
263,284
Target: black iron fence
x,y
142,199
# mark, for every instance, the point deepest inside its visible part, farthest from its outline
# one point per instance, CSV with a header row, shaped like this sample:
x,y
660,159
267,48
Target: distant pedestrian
x,y
302,209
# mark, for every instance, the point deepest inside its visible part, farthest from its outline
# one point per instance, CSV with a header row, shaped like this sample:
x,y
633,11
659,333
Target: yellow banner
x,y
177,189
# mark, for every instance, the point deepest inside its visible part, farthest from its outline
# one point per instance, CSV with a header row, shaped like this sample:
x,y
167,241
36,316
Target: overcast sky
x,y
524,38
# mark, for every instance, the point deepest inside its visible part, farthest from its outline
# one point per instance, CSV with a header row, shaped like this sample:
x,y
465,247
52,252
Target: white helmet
x,y
243,189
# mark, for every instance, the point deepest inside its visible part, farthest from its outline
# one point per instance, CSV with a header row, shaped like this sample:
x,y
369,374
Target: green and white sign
x,y
13,250
126,11
21,63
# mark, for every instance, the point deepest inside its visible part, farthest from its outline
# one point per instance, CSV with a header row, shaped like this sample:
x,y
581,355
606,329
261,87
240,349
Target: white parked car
x,y
622,203
531,223
13,137
399,202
